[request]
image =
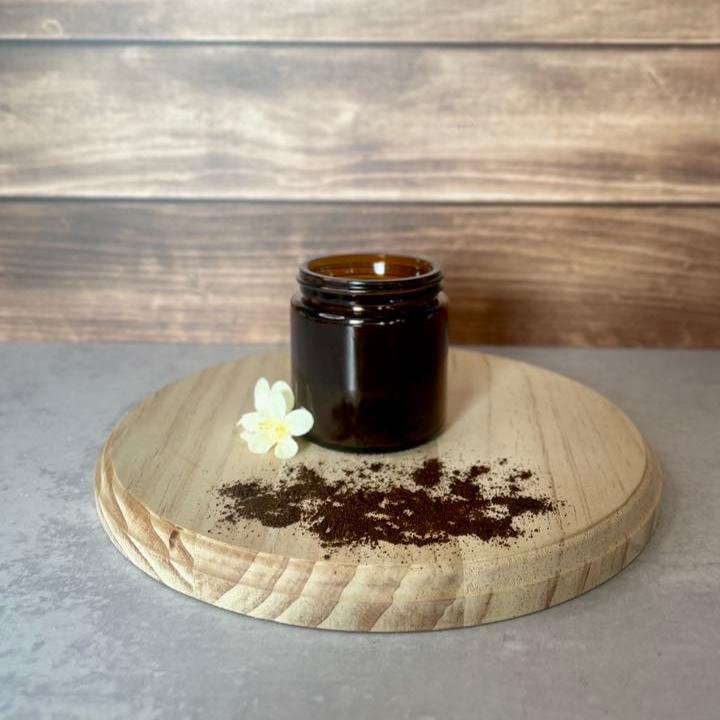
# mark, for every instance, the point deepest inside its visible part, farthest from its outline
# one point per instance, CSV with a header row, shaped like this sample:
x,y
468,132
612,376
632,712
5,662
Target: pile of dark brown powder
x,y
368,505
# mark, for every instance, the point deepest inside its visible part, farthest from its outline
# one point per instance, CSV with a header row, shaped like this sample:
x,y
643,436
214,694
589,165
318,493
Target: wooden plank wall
x,y
164,166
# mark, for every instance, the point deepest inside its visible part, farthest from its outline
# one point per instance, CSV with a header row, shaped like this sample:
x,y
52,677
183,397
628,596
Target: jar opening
x,y
370,274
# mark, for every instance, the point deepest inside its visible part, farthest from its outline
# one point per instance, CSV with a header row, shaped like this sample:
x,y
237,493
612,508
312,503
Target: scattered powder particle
x,y
368,504
476,471
429,474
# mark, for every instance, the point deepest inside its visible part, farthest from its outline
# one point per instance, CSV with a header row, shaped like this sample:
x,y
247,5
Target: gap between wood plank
x,y
643,45
210,200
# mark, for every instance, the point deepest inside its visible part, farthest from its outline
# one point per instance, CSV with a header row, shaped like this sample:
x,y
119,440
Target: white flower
x,y
274,421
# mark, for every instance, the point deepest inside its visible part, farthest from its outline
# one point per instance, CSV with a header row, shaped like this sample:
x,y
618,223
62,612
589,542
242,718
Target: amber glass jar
x,y
369,350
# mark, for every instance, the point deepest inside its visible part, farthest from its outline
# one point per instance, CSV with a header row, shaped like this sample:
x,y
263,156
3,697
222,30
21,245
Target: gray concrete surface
x,y
84,634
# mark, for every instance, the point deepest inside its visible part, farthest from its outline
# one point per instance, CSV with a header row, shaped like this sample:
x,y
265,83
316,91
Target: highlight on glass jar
x,y
369,350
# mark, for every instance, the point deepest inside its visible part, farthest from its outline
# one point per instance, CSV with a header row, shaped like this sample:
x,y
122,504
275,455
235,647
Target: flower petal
x,y
286,391
246,435
261,442
272,406
299,421
286,448
250,421
262,390
275,406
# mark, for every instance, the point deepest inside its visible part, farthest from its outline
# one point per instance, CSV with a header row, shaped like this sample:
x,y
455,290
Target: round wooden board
x,y
158,474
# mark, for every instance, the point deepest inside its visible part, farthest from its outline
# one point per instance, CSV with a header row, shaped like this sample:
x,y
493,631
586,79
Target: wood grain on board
x,y
361,123
366,20
225,271
158,475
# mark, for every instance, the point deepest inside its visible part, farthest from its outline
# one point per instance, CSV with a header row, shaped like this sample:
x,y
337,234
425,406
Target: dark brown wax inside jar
x,y
369,350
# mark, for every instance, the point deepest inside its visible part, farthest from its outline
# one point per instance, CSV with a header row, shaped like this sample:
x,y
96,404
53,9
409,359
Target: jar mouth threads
x,y
370,274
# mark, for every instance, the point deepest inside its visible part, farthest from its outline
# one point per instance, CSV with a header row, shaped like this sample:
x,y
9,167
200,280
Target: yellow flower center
x,y
276,426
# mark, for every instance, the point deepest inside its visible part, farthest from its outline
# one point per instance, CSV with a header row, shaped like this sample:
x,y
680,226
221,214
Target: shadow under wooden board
x,y
365,20
518,437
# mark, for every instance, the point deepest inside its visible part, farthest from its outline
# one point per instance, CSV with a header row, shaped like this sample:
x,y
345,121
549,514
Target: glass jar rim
x,y
370,274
